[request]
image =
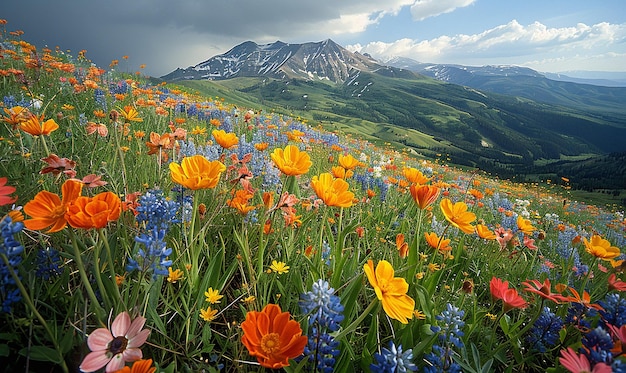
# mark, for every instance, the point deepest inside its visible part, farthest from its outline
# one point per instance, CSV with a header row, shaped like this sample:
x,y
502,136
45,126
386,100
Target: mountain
x,y
506,120
523,82
325,60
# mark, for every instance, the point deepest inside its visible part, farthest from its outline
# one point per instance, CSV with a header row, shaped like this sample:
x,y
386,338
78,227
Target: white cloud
x,y
512,40
423,9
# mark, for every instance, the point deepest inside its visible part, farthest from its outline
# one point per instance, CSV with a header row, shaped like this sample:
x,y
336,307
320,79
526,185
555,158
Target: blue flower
x,y
614,310
325,315
450,332
155,210
10,250
47,264
322,306
598,344
545,332
393,360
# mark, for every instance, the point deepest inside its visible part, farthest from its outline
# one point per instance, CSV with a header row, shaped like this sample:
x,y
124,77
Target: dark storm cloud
x,y
167,34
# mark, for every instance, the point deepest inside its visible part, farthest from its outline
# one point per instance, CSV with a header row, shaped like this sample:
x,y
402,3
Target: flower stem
x,y
350,328
100,315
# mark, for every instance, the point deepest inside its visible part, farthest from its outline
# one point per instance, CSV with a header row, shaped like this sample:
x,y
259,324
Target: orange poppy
x,y
484,232
47,209
16,115
348,161
334,192
435,242
197,172
414,175
240,201
342,173
35,127
458,215
291,161
139,366
272,336
99,128
402,246
424,195
225,140
94,212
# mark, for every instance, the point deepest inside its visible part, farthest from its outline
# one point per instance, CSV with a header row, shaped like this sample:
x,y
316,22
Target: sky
x,y
545,35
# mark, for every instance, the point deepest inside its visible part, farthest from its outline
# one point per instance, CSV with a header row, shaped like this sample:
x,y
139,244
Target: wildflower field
x,y
145,228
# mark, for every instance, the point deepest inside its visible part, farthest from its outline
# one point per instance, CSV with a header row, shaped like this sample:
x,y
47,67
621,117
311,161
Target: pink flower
x,y
576,363
503,236
115,347
529,243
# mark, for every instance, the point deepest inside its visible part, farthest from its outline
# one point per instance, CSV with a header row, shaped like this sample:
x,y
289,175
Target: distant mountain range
x,y
325,60
511,121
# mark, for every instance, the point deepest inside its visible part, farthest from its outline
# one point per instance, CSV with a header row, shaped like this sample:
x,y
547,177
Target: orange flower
x,y
47,209
100,128
158,142
402,246
414,175
272,337
197,172
130,114
391,291
139,366
458,215
94,212
291,161
16,115
334,192
484,232
240,201
5,191
543,289
424,195
225,140
525,225
348,162
601,248
435,242
34,126
261,146
342,173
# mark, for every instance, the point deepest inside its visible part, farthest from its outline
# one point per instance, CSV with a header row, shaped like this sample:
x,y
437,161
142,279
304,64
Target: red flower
x,y
5,191
541,289
57,165
616,284
510,297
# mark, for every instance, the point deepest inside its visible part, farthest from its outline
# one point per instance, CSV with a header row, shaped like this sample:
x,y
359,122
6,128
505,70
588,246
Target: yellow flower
x,y
279,267
348,162
391,291
174,276
491,316
213,296
525,225
291,161
434,267
197,172
334,192
484,232
130,114
197,130
419,315
601,248
458,215
225,140
414,175
208,315
249,299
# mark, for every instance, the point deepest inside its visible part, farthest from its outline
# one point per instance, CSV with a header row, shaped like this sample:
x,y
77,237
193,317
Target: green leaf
x,y
41,353
4,350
